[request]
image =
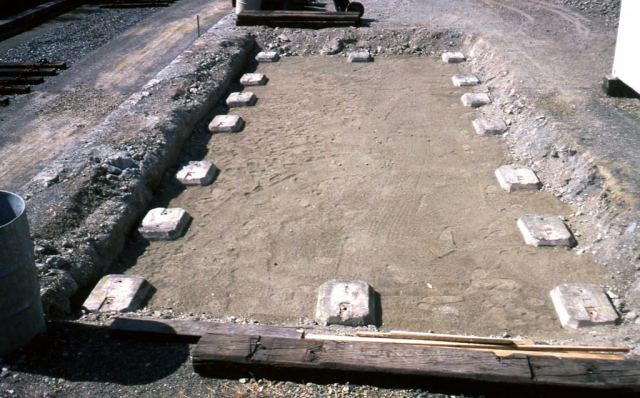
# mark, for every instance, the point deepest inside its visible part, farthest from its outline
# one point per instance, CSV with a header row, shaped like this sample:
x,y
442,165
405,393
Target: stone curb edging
x,y
83,206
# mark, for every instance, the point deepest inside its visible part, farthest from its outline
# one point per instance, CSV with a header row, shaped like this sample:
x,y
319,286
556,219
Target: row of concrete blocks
x,y
537,230
354,302
577,305
171,223
482,126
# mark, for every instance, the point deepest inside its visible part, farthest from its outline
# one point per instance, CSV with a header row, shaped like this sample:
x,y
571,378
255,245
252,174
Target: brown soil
x,y
365,171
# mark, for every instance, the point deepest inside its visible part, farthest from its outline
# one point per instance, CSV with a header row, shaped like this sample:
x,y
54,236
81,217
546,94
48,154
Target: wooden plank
x,y
501,351
237,355
298,24
394,334
28,72
7,90
623,376
571,348
26,65
187,330
291,358
134,5
250,15
527,345
13,81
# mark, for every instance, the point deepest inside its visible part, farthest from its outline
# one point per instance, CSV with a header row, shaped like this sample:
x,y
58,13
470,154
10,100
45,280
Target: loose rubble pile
x,y
375,40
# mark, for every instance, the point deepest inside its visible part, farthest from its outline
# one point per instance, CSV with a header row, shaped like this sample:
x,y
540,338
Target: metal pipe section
x,y
21,316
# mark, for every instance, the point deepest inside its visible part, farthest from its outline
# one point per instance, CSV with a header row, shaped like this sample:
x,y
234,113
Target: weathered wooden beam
x,y
622,376
299,24
188,331
293,358
7,90
258,353
299,15
14,81
38,65
28,72
310,19
135,5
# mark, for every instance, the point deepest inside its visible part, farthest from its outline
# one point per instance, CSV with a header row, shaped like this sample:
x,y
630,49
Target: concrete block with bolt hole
x,y
164,224
346,302
453,57
253,79
360,56
226,124
545,230
512,178
465,80
245,98
117,293
579,305
489,126
267,56
198,172
475,100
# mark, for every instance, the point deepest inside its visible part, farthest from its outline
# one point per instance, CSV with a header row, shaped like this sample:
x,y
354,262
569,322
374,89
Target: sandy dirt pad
x,y
367,171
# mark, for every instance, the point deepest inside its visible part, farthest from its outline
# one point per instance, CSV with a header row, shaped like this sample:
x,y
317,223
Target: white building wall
x,y
626,65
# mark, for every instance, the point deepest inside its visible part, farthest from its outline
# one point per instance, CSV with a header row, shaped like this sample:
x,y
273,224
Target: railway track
x,y
137,3
17,78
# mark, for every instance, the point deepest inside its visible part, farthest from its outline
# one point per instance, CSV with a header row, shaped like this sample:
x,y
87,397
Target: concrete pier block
x,y
253,79
512,178
226,124
346,302
197,173
267,56
117,293
360,56
545,230
475,100
164,224
581,305
489,126
465,80
245,98
453,57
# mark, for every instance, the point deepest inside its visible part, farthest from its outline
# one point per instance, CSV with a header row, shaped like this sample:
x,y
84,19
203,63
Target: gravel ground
x,y
79,360
76,34
607,10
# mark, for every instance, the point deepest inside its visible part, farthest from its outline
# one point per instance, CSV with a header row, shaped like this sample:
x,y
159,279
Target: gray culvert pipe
x,y
21,316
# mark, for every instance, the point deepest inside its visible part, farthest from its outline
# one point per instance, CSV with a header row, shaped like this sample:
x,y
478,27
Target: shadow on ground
x,y
78,352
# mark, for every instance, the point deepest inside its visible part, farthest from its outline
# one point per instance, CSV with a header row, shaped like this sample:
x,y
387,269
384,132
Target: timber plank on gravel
x,y
189,331
234,355
254,353
621,375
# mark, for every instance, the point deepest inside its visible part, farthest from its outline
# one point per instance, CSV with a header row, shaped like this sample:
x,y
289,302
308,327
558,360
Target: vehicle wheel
x,y
354,6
